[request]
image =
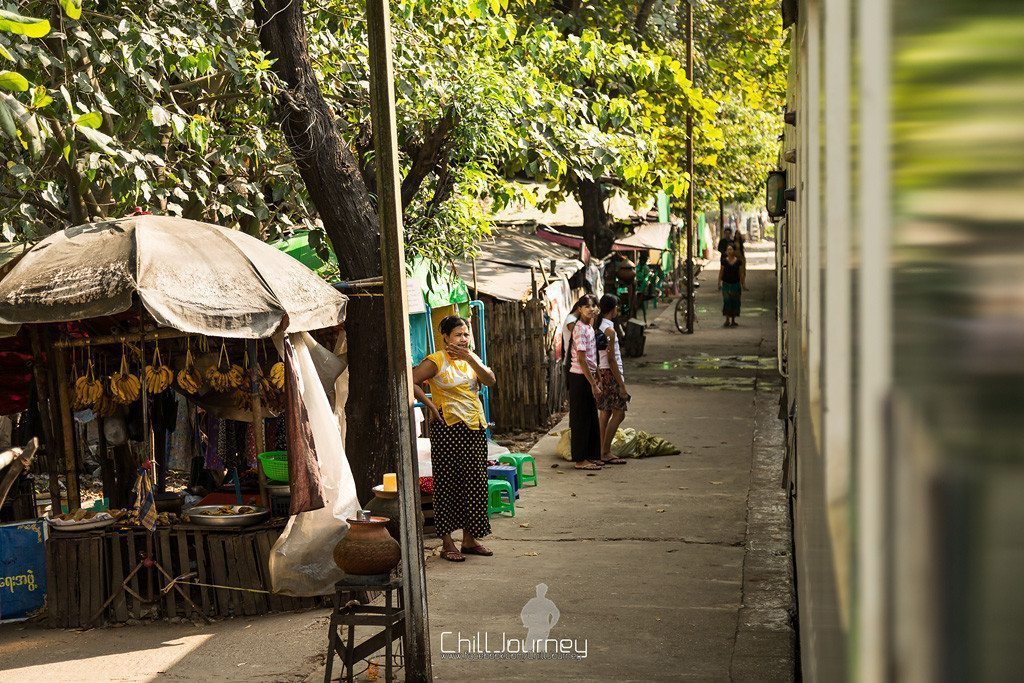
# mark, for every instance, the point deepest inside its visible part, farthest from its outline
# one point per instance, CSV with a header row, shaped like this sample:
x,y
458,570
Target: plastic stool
x,y
507,473
496,491
518,459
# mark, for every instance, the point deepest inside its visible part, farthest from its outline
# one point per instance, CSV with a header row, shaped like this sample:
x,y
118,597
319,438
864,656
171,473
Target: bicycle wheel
x,y
680,313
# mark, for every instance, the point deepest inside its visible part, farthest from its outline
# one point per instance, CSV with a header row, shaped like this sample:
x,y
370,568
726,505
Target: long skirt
x,y
459,459
731,299
584,429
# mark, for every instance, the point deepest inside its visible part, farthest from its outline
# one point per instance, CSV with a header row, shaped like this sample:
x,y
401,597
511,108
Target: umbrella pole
x,y
64,406
45,414
257,418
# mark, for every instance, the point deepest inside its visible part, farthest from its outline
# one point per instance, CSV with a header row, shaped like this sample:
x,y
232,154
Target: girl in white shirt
x,y
614,399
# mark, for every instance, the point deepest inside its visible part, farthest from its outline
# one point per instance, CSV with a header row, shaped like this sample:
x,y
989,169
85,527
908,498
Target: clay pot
x,y
385,504
367,548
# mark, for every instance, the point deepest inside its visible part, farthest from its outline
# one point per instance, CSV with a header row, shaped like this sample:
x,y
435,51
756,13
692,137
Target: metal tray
x,y
196,516
81,526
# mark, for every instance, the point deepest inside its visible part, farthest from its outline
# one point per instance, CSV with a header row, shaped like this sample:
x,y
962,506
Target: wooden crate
x,y
76,571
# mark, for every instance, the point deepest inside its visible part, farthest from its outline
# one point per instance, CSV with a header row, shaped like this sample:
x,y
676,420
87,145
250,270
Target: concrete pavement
x,y
670,567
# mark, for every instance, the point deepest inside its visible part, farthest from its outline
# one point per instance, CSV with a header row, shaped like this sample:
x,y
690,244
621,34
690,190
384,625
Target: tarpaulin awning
x,y
504,262
647,236
190,276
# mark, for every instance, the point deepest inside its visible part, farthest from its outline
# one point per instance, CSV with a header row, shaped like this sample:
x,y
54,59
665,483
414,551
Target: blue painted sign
x,y
22,569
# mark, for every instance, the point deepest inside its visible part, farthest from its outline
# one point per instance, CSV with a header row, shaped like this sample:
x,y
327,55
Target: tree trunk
x,y
721,216
597,232
337,189
643,15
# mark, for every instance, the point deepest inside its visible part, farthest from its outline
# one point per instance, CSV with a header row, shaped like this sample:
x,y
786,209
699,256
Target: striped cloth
x,y
144,509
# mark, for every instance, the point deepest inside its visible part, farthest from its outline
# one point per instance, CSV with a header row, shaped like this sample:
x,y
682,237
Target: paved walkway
x,y
665,568
669,567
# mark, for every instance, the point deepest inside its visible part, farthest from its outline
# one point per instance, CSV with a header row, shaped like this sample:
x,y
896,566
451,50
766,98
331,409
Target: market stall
x,y
149,326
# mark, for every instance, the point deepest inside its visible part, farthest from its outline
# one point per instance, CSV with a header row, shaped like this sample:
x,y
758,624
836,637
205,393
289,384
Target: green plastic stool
x,y
519,459
496,503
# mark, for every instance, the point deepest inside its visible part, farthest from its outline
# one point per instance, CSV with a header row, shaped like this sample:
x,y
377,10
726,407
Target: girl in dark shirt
x,y
731,281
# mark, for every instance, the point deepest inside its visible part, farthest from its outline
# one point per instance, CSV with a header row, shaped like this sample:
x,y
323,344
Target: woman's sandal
x,y
476,550
614,461
452,556
587,466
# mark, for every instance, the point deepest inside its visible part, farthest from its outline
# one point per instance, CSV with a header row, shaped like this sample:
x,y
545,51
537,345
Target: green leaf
x,y
22,25
5,54
7,124
100,140
73,8
14,81
93,119
159,115
40,98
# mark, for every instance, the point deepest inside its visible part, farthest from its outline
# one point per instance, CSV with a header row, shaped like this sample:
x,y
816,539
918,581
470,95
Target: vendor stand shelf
x,y
85,569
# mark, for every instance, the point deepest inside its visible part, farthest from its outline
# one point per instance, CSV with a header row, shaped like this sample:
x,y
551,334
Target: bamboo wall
x,y
516,350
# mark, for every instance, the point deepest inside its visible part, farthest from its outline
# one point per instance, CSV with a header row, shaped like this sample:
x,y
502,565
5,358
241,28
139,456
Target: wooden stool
x,y
351,609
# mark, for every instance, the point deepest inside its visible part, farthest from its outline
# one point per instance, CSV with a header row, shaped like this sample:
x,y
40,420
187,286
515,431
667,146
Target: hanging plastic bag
x,y
301,561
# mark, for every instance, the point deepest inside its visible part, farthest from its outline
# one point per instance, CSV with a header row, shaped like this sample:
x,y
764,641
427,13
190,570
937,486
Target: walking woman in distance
x,y
731,281
613,401
585,431
458,438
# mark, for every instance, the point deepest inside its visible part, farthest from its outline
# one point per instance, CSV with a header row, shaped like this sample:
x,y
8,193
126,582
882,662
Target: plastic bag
x,y
633,443
301,561
564,447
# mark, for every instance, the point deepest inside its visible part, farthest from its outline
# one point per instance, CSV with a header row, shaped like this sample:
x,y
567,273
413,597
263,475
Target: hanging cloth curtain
x,y
144,508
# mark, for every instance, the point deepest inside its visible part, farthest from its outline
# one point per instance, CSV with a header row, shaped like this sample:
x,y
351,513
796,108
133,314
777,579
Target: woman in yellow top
x,y
458,438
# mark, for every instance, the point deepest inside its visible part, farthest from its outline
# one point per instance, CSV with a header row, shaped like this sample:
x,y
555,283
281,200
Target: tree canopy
x,y
108,104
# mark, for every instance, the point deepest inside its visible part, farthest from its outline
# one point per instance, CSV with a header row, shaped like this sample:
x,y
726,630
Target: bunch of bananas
x,y
243,400
124,386
225,375
87,389
104,406
158,376
277,375
189,378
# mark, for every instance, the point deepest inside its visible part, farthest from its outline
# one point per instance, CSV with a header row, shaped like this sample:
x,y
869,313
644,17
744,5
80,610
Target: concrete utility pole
x,y
396,329
689,170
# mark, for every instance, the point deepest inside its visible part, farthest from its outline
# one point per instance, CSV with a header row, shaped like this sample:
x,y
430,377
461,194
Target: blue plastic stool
x,y
518,460
505,473
497,490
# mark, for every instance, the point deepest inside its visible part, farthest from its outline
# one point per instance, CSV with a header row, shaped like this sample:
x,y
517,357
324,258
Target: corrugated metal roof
x,y
504,262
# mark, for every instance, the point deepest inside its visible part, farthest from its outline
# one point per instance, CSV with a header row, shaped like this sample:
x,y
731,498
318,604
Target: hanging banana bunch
x,y
189,378
158,376
93,385
124,386
243,400
78,399
277,375
88,389
104,405
220,374
239,375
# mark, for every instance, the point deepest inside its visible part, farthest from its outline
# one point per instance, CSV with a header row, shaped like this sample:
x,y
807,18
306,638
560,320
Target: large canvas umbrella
x,y
190,276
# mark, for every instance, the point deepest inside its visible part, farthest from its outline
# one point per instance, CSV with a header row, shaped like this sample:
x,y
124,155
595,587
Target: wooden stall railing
x,y
85,569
